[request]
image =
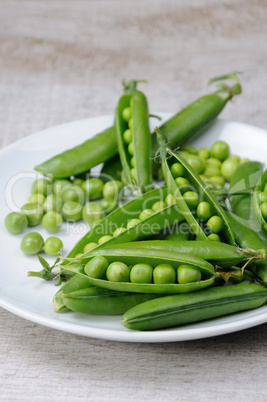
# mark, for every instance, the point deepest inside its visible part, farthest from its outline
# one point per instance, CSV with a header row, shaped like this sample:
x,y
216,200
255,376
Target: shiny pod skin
x,y
141,141
217,253
77,282
205,194
256,200
176,310
99,301
153,258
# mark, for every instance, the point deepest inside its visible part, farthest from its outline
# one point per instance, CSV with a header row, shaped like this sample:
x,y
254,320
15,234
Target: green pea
x,y
41,186
195,162
33,213
32,243
164,274
263,197
52,221
204,211
96,267
214,162
92,212
192,199
132,162
234,158
183,184
52,203
130,148
188,273
72,211
108,205
133,222
36,199
190,149
73,193
59,185
93,188
128,136
219,180
78,182
220,150
127,113
118,231
16,222
264,209
141,273
89,247
118,272
130,123
112,189
133,174
177,170
229,167
146,213
170,200
159,205
213,237
203,153
53,246
211,171
215,224
103,239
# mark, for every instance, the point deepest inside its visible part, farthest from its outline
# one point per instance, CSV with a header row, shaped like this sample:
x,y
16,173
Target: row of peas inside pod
x,y
149,270
50,203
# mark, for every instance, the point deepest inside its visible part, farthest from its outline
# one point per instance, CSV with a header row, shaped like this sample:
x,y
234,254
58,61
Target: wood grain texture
x,y
63,60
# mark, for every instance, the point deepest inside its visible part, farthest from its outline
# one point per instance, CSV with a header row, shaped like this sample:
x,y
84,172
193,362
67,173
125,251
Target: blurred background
x,y
64,60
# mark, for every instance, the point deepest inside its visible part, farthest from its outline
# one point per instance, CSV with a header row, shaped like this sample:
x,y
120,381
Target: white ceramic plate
x,y
31,298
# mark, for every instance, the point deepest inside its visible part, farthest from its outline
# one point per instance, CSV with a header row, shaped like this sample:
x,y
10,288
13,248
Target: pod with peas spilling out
x,y
134,140
148,271
140,218
196,202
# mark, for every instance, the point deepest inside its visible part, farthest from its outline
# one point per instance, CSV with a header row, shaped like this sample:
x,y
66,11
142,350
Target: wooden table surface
x,y
64,60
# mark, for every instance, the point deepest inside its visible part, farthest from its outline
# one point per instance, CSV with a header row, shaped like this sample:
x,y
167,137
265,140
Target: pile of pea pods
x,y
190,245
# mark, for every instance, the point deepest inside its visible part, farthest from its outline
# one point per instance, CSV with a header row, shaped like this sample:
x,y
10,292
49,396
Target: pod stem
x,y
233,90
130,86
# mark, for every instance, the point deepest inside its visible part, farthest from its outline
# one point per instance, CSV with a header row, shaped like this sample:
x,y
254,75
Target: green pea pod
x,y
83,157
131,210
217,253
245,180
150,257
248,239
175,310
75,283
205,195
198,116
141,141
111,169
257,201
102,301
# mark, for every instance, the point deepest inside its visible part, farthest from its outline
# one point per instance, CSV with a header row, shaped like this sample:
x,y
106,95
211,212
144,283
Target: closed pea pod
x,y
175,310
99,301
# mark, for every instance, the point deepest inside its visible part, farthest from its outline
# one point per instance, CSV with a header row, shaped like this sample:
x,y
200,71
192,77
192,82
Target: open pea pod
x,y
204,193
134,140
153,258
118,219
258,201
